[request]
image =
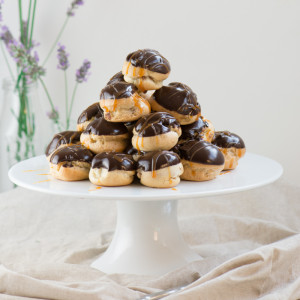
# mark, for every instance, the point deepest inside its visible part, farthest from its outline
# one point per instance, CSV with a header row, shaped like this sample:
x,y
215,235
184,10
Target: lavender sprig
x,y
25,61
53,114
83,72
74,5
62,55
81,75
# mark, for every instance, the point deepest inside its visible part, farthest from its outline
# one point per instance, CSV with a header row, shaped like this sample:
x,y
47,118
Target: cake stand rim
x,y
175,196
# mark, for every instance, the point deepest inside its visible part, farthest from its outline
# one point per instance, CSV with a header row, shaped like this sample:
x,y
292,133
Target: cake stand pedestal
x,y
147,240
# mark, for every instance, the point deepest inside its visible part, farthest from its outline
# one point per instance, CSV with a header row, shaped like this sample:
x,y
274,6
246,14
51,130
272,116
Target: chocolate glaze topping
x,y
226,139
62,138
178,97
155,123
194,130
72,153
93,110
114,161
101,127
149,59
202,152
132,151
156,160
118,90
130,125
116,78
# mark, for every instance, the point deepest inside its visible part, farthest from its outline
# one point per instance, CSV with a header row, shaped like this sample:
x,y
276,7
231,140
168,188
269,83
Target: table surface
x,y
253,171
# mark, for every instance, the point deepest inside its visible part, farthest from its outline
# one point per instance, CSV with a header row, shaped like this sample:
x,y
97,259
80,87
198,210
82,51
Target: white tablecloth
x,y
250,242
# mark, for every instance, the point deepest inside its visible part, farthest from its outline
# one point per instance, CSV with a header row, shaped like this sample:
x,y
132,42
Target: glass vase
x,y
25,129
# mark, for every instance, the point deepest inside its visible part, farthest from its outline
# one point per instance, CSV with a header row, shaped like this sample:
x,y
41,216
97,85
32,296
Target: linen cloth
x,y
250,243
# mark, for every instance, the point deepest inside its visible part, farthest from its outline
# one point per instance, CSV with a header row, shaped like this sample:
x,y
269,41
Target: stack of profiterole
x,y
141,127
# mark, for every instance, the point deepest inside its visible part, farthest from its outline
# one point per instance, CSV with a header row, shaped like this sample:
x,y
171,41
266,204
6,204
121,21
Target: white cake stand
x,y
147,240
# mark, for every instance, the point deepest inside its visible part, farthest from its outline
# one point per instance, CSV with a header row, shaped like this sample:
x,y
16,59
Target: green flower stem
x,y
50,101
56,40
32,23
21,21
47,93
67,105
28,23
6,61
72,100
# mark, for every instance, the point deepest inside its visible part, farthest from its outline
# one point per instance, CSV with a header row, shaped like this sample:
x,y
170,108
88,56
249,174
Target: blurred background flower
x,y
26,71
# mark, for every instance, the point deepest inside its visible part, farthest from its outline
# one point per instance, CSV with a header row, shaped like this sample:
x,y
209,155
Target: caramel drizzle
x,y
115,104
105,107
42,181
153,166
141,74
136,102
137,144
225,172
170,177
95,189
127,70
193,171
174,189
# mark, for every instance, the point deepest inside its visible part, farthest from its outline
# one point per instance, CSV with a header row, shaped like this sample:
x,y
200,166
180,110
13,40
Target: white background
x,y
242,58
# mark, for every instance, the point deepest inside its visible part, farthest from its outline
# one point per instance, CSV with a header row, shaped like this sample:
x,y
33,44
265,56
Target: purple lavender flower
x,y
74,5
62,55
83,72
1,2
6,35
53,114
25,61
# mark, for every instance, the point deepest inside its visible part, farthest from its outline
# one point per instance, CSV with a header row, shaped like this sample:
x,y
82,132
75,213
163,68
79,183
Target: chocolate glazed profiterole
x,y
101,136
93,112
112,169
121,102
202,129
178,100
156,131
232,146
118,77
201,161
71,163
62,139
146,69
161,169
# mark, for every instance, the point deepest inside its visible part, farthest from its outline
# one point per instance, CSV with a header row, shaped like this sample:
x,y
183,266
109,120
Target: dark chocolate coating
x,y
116,78
118,90
101,127
149,59
114,161
130,125
194,130
63,138
155,123
226,139
132,151
202,152
72,153
156,160
178,97
176,149
93,110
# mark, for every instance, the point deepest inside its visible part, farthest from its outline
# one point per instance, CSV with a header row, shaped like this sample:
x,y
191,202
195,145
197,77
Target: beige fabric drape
x,y
250,242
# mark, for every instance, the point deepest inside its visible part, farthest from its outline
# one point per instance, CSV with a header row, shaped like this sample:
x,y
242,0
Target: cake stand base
x,y
147,240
